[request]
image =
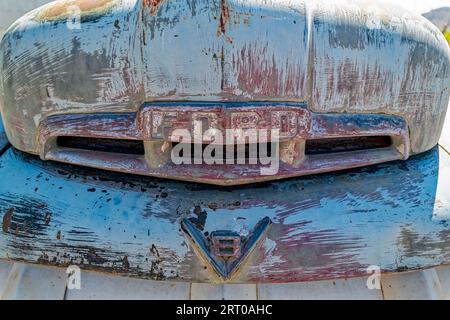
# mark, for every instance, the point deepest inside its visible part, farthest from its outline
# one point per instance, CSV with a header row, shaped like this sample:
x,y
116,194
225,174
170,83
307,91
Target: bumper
x,y
323,227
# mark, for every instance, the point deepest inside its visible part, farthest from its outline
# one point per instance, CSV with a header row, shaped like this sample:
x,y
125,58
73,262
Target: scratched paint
x,y
348,56
324,227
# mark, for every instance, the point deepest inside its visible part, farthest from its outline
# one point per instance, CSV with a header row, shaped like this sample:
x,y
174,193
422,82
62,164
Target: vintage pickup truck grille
x,y
142,142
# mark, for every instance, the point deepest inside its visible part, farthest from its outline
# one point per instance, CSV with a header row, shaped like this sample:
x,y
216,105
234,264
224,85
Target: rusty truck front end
x,y
107,84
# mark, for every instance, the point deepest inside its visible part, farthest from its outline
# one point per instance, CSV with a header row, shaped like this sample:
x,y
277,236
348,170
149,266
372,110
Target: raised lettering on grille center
x,y
159,124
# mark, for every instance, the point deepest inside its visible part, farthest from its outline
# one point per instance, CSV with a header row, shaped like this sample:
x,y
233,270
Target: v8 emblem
x,y
225,251
225,244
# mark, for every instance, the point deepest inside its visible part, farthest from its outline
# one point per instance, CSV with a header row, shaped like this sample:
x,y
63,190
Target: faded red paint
x,y
313,248
259,73
153,5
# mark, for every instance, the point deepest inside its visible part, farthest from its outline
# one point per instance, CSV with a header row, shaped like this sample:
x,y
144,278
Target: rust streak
x,y
153,5
7,219
224,18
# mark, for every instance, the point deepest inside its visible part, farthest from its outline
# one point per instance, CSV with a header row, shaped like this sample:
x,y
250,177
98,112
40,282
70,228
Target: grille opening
x,y
332,145
133,147
236,155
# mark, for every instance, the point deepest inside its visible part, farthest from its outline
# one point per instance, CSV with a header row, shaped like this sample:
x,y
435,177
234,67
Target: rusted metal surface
x,y
157,122
324,227
358,56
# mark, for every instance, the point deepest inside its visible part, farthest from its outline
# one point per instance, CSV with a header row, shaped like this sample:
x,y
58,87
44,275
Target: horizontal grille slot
x,y
122,146
313,147
333,145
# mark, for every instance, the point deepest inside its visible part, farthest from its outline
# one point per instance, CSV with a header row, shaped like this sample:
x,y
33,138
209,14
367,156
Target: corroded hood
x,y
337,56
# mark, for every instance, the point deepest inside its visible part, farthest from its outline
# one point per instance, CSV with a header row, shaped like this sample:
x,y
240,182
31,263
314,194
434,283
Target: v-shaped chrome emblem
x,y
225,251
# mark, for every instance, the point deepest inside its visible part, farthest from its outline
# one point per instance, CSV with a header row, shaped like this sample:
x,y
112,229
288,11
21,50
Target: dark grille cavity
x,y
333,145
133,147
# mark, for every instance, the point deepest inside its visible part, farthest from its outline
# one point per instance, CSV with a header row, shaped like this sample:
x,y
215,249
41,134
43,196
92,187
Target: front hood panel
x,y
350,56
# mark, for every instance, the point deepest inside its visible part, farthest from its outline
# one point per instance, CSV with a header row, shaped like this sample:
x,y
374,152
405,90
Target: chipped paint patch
x,y
63,9
224,18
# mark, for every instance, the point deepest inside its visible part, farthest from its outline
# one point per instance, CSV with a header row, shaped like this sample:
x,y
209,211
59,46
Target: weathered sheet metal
x,y
358,56
327,226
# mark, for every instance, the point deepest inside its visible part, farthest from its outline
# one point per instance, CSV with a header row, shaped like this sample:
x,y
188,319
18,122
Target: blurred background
x,y
437,11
